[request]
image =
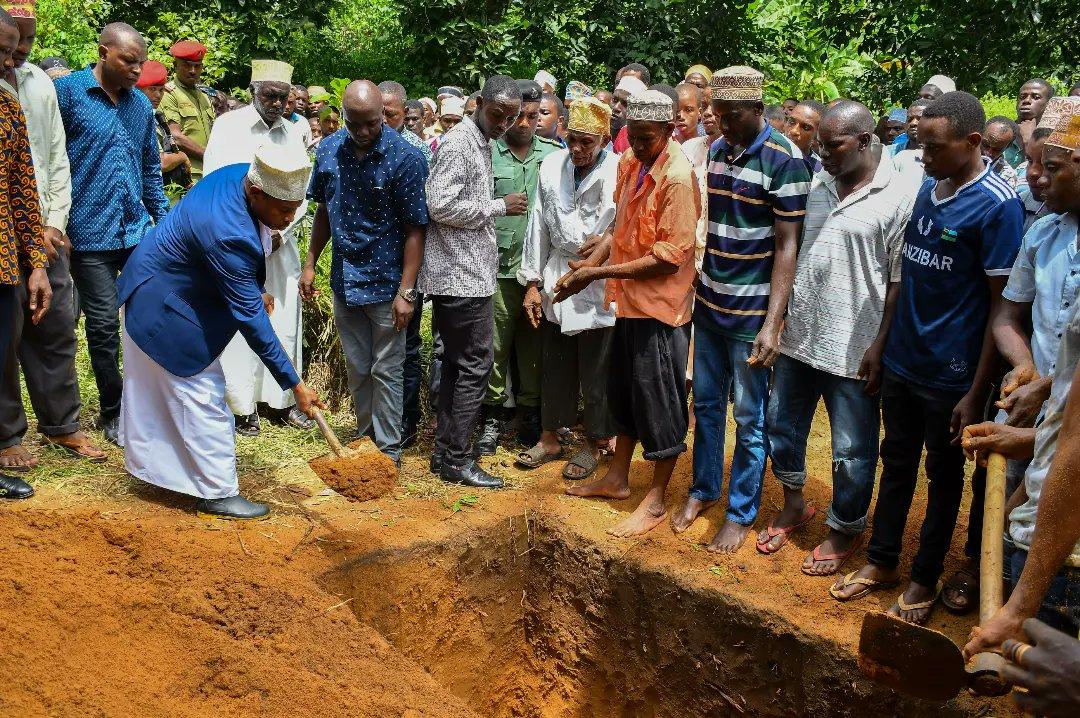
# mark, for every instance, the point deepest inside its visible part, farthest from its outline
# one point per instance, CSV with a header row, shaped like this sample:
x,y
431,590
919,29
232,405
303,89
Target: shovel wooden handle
x,y
986,672
331,437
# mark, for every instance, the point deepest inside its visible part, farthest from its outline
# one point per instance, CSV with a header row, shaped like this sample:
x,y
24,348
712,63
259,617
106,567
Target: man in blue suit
x,y
188,288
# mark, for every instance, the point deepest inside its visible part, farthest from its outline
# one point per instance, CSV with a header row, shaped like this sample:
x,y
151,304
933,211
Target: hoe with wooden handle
x,y
924,663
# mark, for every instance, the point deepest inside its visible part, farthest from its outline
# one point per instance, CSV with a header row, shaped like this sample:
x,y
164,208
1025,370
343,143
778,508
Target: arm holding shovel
x,y
1057,524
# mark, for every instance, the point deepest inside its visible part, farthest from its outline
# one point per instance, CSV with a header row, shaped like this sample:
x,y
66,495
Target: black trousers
x,y
647,385
414,375
7,307
95,276
576,365
466,326
915,416
46,354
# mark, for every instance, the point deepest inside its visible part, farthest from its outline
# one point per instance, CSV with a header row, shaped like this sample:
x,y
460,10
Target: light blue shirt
x,y
1047,274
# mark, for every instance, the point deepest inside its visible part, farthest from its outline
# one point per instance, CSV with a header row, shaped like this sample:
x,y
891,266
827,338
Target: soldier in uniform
x,y
186,108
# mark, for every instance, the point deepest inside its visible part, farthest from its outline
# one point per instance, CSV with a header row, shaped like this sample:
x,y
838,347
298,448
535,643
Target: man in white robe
x,y
234,139
190,286
574,207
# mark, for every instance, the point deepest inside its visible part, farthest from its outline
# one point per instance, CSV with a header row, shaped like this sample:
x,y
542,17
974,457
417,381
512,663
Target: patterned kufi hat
x,y
737,83
650,106
577,90
1067,133
281,171
591,116
1057,109
271,71
21,8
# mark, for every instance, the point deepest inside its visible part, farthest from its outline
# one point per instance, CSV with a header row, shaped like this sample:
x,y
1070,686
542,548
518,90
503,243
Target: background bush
x,y
879,52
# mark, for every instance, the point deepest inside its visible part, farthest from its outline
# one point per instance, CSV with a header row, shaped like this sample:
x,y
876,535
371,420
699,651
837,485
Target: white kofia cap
x,y
281,171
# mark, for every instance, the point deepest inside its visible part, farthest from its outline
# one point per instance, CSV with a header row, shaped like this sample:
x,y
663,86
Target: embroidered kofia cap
x,y
281,171
737,83
591,116
271,71
1057,109
650,106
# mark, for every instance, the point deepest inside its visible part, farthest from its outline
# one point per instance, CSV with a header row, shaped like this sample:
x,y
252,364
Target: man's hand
x,y
579,277
268,303
1049,670
1012,442
55,243
870,368
591,244
1024,404
766,348
307,283
1019,376
1003,625
517,204
966,412
534,305
307,399
40,291
403,311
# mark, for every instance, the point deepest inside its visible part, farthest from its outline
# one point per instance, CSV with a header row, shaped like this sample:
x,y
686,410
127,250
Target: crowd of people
x,y
623,264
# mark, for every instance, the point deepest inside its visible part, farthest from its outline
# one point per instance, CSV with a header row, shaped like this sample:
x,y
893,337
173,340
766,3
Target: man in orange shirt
x,y
650,273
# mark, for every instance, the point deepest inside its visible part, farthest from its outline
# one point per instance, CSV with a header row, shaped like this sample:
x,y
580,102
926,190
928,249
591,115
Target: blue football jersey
x,y
950,245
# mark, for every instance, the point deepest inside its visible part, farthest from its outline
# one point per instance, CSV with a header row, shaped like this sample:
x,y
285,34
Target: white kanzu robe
x,y
177,432
561,221
234,139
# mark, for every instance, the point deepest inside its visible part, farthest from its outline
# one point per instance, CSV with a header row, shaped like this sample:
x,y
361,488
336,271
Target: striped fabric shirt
x,y
748,194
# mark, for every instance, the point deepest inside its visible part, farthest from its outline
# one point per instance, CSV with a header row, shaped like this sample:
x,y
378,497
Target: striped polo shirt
x,y
748,193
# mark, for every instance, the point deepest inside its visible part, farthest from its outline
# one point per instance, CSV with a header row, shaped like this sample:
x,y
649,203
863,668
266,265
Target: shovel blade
x,y
911,659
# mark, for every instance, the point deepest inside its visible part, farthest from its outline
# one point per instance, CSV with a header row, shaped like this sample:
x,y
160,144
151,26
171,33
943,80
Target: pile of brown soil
x,y
367,475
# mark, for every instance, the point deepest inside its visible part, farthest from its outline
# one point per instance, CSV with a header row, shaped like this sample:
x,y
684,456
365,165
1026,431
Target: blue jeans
x,y
854,419
720,361
1060,608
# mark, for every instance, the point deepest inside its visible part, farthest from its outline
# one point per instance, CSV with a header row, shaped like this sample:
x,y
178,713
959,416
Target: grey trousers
x,y
46,353
572,364
375,360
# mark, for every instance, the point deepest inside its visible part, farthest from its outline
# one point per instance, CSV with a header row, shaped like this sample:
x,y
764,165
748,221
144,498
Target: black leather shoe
x,y
529,426
14,489
436,463
490,431
110,428
470,475
248,425
234,507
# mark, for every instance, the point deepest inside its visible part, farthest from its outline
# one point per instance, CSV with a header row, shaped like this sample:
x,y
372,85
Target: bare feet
x,y
729,538
835,545
649,514
689,513
77,443
17,458
915,597
609,486
886,577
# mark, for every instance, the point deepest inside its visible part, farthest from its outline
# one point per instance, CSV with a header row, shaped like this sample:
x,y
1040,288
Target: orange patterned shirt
x,y
22,237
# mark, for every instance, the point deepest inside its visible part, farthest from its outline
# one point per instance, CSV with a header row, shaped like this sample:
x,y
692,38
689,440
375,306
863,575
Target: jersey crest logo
x,y
929,225
949,235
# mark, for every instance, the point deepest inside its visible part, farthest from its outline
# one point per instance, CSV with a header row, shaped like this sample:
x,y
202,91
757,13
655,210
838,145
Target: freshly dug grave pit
x,y
525,619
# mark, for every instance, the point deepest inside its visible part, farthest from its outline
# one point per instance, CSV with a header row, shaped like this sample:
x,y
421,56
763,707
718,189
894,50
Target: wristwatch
x,y
409,295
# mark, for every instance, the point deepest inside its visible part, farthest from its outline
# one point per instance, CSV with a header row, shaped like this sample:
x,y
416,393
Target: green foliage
x,y
69,29
221,45
999,105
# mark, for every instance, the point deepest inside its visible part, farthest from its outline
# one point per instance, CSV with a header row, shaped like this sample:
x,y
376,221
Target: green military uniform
x,y
512,328
189,108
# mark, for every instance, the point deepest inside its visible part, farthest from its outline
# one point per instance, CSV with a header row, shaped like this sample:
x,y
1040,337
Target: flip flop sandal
x,y
841,557
73,452
869,585
17,468
965,582
902,605
763,546
535,457
583,460
566,435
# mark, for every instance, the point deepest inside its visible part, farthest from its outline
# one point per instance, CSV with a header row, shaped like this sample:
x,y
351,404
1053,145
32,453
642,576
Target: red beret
x,y
188,50
153,74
